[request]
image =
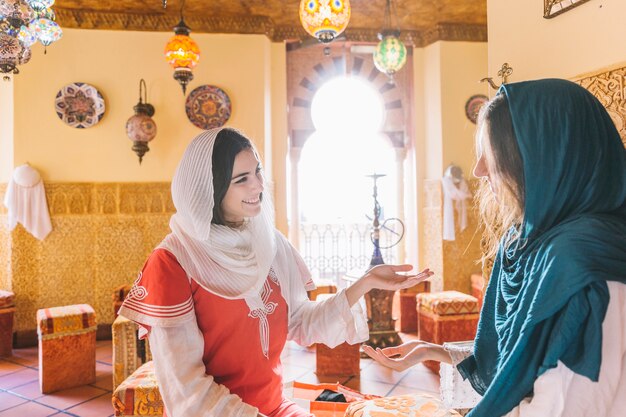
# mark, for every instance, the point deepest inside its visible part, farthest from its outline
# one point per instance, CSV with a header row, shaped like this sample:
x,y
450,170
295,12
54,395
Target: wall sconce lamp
x,y
140,128
504,73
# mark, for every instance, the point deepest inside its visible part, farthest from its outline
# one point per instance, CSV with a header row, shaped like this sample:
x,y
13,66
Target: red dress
x,y
233,352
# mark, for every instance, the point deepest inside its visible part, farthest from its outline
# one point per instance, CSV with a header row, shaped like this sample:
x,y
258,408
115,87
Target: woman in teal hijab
x,y
556,169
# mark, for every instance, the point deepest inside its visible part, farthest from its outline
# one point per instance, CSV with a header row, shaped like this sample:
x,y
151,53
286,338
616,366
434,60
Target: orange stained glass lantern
x,y
324,19
183,54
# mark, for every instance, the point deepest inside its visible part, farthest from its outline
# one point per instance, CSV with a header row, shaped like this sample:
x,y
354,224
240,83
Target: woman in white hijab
x,y
222,293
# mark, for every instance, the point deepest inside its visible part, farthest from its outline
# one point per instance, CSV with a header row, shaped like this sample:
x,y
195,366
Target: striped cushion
x,y
66,320
7,299
446,303
139,394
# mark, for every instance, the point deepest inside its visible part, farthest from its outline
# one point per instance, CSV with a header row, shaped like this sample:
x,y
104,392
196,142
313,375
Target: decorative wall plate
x,y
79,105
208,107
473,105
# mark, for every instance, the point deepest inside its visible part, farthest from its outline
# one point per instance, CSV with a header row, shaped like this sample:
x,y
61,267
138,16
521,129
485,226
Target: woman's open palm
x,y
388,277
401,357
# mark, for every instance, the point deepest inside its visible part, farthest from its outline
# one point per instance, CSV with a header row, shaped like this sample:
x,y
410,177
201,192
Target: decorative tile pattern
x,y
102,235
609,86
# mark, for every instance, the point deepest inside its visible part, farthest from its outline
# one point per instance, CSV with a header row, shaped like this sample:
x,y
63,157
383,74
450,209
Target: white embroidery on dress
x,y
137,292
261,314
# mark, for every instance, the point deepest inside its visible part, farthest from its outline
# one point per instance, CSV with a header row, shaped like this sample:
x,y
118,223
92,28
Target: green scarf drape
x,y
547,295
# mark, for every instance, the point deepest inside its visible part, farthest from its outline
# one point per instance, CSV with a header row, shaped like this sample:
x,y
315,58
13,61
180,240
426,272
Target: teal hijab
x,y
547,296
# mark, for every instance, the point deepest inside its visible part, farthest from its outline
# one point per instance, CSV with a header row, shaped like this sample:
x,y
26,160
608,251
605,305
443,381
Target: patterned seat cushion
x,y
447,303
410,405
7,299
139,394
64,321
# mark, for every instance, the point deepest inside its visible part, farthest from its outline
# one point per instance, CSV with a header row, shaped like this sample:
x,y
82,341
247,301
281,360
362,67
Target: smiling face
x,y
244,194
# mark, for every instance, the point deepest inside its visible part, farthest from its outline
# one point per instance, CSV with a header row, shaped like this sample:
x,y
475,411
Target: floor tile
x,y
97,407
8,400
18,378
103,369
28,409
104,382
312,378
369,387
27,357
419,379
30,390
302,358
402,390
293,372
7,367
376,372
65,399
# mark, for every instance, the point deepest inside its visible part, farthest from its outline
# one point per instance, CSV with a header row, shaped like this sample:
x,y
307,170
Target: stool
x,y
119,295
67,347
408,306
446,316
139,394
418,404
478,286
342,360
7,310
129,353
322,286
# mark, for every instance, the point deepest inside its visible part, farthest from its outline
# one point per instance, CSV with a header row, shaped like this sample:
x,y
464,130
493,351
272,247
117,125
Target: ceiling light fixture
x,y
324,19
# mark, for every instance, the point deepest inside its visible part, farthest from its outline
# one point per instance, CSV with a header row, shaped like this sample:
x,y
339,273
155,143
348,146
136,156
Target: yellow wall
x,y
581,40
114,61
6,130
463,64
446,75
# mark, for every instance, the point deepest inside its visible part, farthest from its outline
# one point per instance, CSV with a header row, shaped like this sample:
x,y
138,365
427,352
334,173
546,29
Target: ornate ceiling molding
x,y
85,19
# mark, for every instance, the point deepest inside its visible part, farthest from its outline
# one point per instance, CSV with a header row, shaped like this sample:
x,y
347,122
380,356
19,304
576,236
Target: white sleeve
x,y
560,392
185,387
550,391
331,321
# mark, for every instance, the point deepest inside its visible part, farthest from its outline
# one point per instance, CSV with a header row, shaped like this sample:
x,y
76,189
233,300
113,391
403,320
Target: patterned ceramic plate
x,y
473,105
208,107
79,105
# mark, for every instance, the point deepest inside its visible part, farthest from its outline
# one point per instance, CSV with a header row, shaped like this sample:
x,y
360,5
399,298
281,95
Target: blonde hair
x,y
501,205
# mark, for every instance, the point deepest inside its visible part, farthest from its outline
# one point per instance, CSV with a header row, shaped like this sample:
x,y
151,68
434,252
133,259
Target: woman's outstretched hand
x,y
400,358
385,277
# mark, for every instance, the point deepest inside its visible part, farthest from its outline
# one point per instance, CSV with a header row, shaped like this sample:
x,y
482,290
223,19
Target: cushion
x,y
419,404
139,394
66,320
446,303
7,299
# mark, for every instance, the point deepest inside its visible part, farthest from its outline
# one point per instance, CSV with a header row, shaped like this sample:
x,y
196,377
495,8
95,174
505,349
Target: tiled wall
x,y
453,261
102,234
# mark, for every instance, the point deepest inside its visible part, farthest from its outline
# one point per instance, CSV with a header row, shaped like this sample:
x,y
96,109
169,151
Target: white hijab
x,y
232,263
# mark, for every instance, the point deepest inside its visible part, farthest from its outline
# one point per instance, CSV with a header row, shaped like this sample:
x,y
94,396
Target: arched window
x,y
334,190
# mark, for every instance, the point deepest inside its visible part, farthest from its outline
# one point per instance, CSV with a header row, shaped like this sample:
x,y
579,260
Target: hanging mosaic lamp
x,y
27,36
183,54
47,31
39,5
324,19
12,53
140,128
46,14
390,54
